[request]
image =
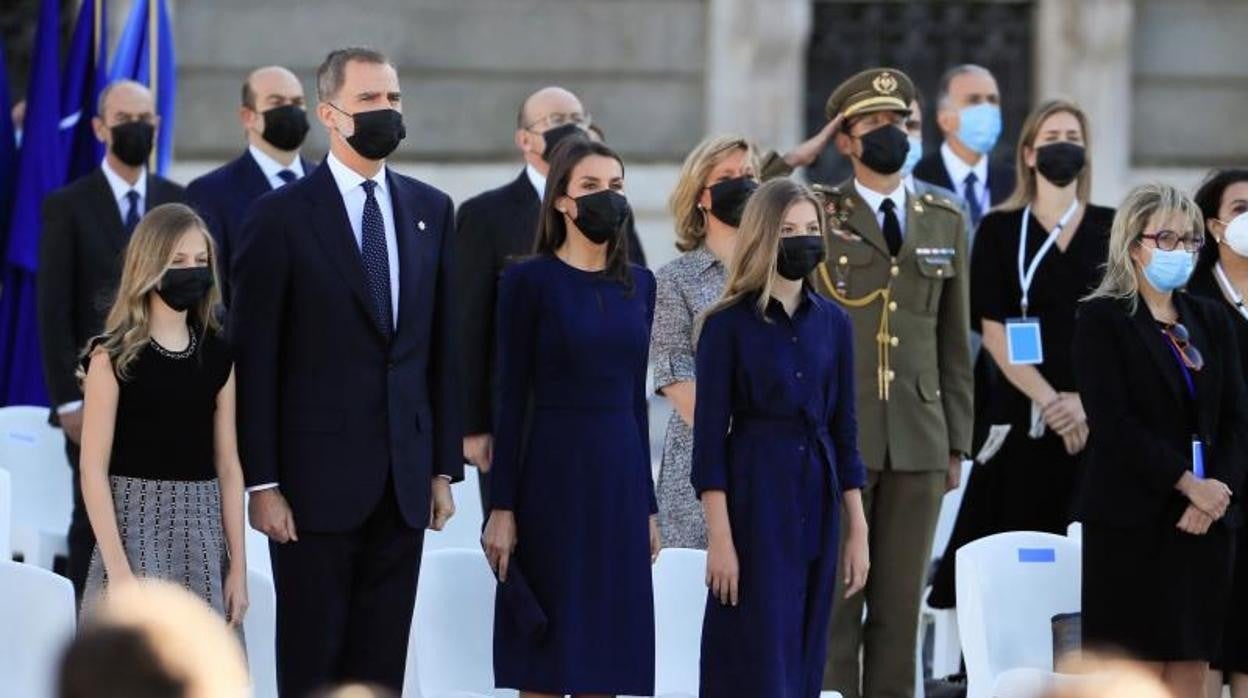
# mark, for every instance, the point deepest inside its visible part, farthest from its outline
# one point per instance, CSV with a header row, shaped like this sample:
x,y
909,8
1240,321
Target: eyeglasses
x,y
1182,342
557,119
1168,241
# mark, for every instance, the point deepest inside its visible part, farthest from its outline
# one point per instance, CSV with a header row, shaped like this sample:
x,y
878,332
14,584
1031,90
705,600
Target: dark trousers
x,y
80,538
344,602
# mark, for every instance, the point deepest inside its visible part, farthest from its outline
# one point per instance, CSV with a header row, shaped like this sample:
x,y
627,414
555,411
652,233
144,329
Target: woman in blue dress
x,y
775,455
572,504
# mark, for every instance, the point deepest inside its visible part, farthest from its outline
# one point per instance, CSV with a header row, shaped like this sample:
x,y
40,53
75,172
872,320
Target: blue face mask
x,y
979,127
1169,270
912,156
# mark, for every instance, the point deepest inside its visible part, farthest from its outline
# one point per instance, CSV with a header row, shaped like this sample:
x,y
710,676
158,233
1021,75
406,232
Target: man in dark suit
x,y
968,110
494,228
348,421
275,121
86,226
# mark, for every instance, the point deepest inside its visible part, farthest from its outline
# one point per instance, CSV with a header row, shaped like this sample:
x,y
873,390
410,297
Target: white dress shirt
x,y
958,170
350,185
537,179
271,167
874,199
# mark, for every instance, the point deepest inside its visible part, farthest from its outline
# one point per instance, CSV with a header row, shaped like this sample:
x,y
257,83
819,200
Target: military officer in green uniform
x,y
897,263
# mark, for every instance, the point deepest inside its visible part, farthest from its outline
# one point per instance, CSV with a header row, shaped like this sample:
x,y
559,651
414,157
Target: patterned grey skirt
x,y
170,530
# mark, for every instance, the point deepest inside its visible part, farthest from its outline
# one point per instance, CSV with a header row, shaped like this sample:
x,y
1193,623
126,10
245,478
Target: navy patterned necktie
x,y
287,176
972,201
132,213
376,259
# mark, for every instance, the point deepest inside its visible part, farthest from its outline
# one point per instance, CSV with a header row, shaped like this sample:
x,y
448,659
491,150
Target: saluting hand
x,y
805,153
499,541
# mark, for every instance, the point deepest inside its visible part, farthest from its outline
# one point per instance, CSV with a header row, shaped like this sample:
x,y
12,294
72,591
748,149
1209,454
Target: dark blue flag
x,y
145,54
8,152
86,73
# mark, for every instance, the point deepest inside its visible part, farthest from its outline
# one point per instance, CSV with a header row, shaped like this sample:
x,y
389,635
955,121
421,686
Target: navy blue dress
x,y
571,459
774,427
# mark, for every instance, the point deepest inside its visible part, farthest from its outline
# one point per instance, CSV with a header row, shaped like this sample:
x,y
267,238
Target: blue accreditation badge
x,y
1022,341
1198,459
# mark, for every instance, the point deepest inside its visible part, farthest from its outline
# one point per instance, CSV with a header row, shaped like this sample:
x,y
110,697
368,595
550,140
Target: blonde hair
x,y
1025,177
127,330
754,263
1144,204
683,203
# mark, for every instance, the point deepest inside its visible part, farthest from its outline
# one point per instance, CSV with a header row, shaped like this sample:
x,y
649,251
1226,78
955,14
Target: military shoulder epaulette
x,y
940,201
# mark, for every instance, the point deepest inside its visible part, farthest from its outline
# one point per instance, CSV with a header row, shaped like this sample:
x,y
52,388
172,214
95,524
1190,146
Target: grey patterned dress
x,y
687,286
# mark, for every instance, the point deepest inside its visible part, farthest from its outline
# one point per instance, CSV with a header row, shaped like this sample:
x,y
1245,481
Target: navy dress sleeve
x,y
850,470
712,410
641,406
516,322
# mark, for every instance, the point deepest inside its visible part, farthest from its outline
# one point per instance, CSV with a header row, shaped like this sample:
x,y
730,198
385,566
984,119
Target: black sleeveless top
x,y
165,411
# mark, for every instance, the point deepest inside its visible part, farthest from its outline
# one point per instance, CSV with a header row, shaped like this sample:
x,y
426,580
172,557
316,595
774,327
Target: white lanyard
x,y
1027,274
1229,291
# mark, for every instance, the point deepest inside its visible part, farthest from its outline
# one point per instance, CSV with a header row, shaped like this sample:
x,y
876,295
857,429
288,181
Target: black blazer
x,y
931,169
81,248
328,408
222,198
1132,390
493,229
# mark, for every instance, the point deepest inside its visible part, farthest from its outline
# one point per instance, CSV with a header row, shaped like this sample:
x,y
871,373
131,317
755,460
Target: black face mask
x,y
377,132
1060,163
556,135
601,215
132,142
728,199
182,289
285,127
884,149
799,255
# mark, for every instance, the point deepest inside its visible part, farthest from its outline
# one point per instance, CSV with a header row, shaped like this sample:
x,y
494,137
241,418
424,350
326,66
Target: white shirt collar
x,y
121,187
348,179
874,198
958,169
271,167
537,179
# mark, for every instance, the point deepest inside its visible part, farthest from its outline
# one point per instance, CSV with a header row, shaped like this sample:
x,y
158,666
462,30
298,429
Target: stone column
x,y
755,72
1083,52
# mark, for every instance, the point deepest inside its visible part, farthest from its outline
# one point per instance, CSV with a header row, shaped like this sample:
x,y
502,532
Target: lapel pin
x,y
420,225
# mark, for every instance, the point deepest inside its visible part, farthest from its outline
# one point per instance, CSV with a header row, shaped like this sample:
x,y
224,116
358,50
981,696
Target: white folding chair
x,y
6,515
1009,587
679,604
1075,532
464,528
450,652
942,622
260,629
34,454
37,614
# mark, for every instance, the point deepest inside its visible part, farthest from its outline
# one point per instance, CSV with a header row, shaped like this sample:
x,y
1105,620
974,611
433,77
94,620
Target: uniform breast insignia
x,y
936,256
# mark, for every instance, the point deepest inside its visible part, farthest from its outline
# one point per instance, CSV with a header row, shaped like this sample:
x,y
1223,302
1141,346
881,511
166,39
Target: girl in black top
x,y
161,476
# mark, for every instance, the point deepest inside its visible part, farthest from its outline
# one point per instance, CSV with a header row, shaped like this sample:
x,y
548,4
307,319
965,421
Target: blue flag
x,y
146,56
85,76
8,152
41,169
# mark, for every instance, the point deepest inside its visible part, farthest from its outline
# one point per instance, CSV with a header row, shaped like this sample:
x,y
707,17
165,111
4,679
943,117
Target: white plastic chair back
x,y
6,515
34,454
950,503
464,528
1009,587
260,628
1075,532
37,617
451,647
679,604
257,546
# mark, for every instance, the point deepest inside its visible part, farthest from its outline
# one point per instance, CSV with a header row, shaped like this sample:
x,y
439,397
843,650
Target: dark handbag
x,y
521,604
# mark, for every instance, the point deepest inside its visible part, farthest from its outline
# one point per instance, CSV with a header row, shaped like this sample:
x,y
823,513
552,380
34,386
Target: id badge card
x,y
1198,459
1022,341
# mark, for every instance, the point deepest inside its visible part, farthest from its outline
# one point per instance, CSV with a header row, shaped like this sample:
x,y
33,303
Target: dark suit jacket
x,y
492,229
931,169
81,249
1133,393
328,408
222,198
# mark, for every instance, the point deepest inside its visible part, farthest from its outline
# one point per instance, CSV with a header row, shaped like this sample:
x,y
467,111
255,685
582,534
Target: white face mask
x,y
1236,236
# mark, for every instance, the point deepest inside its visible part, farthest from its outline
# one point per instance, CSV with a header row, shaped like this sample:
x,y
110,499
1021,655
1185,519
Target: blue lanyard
x,y
1187,374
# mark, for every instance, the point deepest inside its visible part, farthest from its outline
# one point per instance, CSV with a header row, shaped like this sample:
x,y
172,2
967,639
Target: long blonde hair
x,y
1025,177
127,330
1145,203
754,262
683,203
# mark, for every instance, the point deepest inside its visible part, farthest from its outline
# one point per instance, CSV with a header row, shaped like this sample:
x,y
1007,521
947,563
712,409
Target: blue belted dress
x,y
774,428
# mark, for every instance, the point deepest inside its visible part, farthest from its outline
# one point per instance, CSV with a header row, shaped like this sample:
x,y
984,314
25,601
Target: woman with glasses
x,y
1160,377
1222,275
